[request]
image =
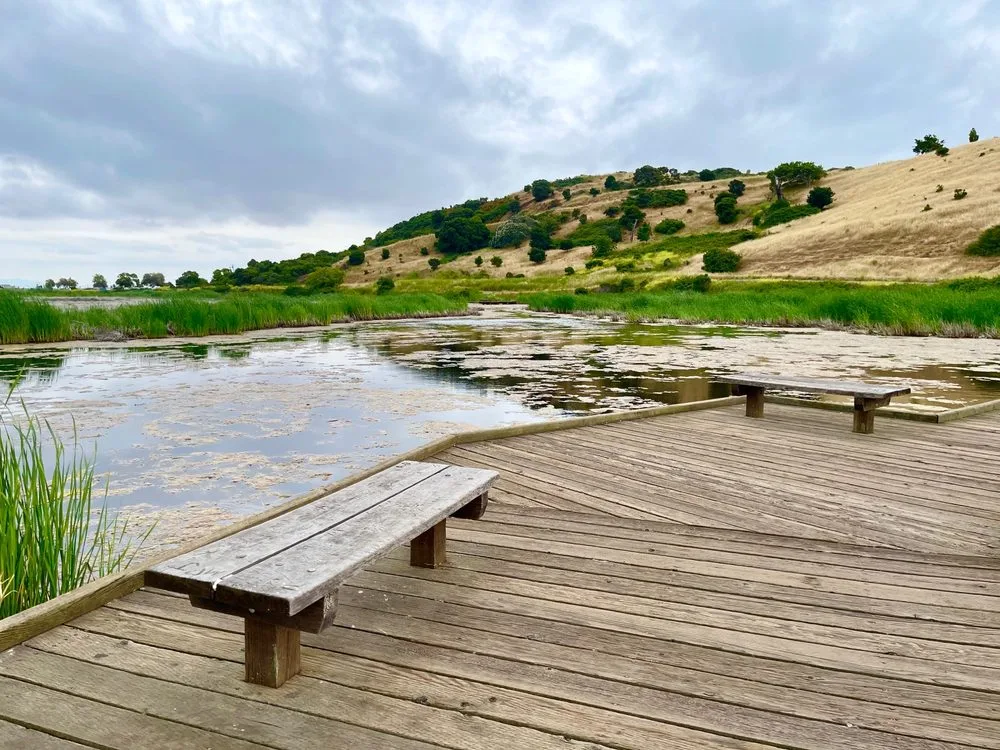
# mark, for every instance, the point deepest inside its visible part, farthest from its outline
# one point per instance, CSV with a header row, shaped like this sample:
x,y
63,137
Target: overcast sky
x,y
162,135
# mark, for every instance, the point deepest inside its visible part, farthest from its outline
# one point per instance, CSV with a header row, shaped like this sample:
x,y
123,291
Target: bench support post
x,y
272,653
428,549
864,413
755,399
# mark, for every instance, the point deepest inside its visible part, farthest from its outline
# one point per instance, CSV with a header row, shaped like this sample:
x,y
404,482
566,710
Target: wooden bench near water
x,y
282,576
867,396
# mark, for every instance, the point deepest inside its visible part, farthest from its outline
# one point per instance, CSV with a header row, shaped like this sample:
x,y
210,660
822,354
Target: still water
x,y
222,427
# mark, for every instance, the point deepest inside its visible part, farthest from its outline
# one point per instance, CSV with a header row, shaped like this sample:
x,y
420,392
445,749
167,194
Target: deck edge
x,y
38,619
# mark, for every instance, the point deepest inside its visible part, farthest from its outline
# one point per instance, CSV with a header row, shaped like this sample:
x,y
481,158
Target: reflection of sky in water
x,y
242,425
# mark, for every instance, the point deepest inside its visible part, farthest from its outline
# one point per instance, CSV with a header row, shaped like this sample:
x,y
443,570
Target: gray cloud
x,y
186,133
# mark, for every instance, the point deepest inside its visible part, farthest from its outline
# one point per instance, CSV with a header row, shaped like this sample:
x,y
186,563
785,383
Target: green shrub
x,y
356,257
566,244
611,182
566,194
434,263
725,208
296,290
644,233
593,263
737,187
700,283
612,211
424,251
479,260
780,212
540,239
625,266
385,253
820,197
706,175
536,254
459,235
669,226
541,189
662,198
384,285
721,260
324,280
496,261
960,193
942,150
603,247
595,191
188,280
513,232
569,270
583,218
973,136
987,244
939,189
591,232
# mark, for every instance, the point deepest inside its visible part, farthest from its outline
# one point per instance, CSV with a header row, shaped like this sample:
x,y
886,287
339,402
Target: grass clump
x,y
987,244
969,308
26,321
52,537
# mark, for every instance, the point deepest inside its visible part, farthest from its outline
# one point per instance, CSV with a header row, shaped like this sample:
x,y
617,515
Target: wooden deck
x,y
692,581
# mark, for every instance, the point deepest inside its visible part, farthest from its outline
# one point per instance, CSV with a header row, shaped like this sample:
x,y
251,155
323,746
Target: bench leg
x,y
864,415
473,510
271,653
755,400
428,549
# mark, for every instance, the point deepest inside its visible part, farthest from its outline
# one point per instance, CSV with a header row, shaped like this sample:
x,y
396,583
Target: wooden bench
x,y
867,396
282,576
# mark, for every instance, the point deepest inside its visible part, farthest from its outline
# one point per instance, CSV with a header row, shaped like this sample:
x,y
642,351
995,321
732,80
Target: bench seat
x,y
282,576
867,396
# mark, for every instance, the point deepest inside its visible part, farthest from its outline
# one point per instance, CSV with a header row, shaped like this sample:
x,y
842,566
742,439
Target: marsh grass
x,y
53,538
28,320
948,309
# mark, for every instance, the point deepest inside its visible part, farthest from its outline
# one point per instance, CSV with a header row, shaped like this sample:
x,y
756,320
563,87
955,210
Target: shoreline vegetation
x,y
29,319
959,308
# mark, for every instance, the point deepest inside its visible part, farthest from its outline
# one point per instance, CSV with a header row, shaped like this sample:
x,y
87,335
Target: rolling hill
x,y
876,229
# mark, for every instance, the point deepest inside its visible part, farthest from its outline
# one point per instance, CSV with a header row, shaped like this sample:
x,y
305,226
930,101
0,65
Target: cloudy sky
x,y
162,135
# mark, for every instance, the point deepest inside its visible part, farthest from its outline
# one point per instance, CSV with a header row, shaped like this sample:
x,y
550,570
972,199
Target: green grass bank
x,y
967,307
27,319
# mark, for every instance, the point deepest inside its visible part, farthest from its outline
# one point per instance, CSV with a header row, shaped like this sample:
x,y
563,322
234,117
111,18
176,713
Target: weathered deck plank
x,y
653,584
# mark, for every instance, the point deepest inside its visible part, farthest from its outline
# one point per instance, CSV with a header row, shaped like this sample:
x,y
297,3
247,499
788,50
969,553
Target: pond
x,y
205,430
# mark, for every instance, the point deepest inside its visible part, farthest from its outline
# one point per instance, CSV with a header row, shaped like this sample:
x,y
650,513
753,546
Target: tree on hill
x,y
65,283
791,173
153,279
566,194
50,284
725,208
646,176
356,256
99,282
632,216
536,254
820,197
541,189
928,144
540,238
706,175
737,187
611,182
973,136
460,235
189,279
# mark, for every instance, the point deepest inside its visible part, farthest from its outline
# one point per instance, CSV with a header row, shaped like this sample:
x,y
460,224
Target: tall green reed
x,y
53,536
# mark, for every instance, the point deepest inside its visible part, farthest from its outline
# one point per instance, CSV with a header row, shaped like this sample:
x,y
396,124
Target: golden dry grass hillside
x,y
877,227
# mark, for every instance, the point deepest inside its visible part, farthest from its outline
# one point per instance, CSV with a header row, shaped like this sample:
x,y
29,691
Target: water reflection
x,y
239,423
